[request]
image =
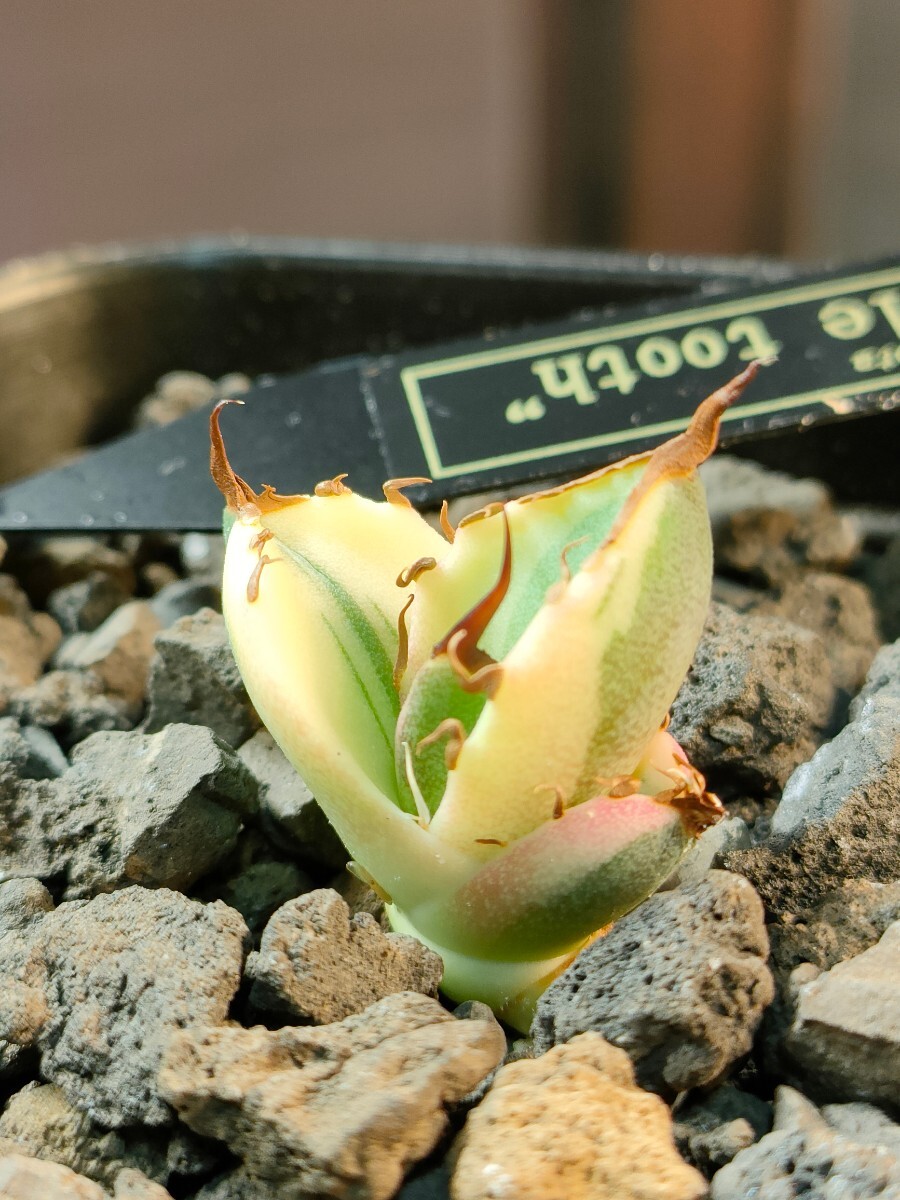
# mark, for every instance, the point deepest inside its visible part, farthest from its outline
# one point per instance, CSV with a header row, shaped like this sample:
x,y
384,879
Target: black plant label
x,y
577,394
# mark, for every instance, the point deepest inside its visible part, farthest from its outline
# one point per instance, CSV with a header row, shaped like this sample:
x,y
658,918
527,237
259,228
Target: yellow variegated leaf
x,y
586,686
574,518
321,682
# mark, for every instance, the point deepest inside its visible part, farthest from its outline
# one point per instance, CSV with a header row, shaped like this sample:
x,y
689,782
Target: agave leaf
x,y
300,664
568,878
574,518
434,722
584,689
590,680
553,533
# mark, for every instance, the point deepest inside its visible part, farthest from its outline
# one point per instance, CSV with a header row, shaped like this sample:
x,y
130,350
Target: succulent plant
x,y
481,712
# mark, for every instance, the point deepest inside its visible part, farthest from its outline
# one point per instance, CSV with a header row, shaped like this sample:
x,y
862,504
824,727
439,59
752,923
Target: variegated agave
x,y
481,712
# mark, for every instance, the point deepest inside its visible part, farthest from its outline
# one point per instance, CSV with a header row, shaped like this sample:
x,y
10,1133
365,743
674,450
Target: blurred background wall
x,y
753,126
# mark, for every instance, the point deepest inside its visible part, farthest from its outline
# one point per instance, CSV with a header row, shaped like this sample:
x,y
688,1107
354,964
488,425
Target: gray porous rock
x,y
28,752
39,1121
318,963
839,610
175,801
838,817
883,577
158,809
290,815
194,679
806,1158
83,606
333,1110
23,1178
254,880
71,705
709,851
233,1185
756,702
118,653
43,565
259,889
845,922
864,1124
571,1125
845,1035
183,598
120,974
712,1129
767,525
680,983
882,679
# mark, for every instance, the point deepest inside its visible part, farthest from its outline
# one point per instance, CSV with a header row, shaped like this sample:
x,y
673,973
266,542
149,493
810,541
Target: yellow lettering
x,y
704,348
621,375
563,377
846,318
658,357
888,304
751,330
531,409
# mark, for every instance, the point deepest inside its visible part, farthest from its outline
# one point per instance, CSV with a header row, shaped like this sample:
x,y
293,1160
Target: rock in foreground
x,y
571,1125
680,984
338,1110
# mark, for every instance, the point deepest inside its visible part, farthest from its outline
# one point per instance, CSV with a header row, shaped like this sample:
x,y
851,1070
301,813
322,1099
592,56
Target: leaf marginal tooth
x,y
559,798
411,573
486,678
255,576
393,489
402,644
332,487
455,732
449,531
475,670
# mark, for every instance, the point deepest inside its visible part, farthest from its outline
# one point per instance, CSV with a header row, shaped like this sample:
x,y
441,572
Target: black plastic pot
x,y
84,334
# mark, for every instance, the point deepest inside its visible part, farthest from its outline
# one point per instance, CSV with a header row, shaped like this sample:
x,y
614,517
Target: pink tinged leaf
x,y
565,880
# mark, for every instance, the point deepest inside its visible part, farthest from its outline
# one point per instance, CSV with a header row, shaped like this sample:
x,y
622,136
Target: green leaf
x,y
570,877
578,515
590,681
314,653
435,702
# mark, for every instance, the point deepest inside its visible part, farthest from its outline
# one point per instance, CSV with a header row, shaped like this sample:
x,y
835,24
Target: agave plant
x,y
481,711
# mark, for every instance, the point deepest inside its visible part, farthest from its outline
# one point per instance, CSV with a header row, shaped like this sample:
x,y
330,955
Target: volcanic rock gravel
x,y
188,1010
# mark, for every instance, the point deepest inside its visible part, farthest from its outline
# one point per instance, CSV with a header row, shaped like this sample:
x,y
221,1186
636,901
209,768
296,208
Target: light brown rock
x,y
24,1178
318,963
132,1184
571,1125
846,1030
337,1110
25,645
118,652
40,1121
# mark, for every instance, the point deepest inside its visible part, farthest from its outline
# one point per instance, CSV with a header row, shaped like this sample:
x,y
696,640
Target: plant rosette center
x,y
481,711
